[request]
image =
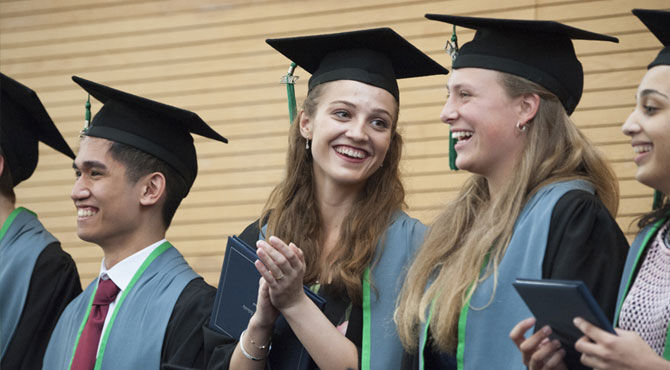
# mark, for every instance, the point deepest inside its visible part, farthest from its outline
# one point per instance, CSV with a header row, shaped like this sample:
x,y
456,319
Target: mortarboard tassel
x,y
452,50
289,80
87,115
452,45
452,153
658,200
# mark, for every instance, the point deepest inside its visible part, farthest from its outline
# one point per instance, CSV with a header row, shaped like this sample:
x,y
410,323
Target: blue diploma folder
x,y
557,302
235,303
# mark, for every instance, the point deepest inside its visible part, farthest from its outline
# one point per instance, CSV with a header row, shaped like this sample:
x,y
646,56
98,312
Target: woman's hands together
x,y
282,267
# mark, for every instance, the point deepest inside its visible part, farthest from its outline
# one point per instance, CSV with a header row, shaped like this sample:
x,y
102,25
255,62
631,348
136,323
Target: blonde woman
x,y
539,204
643,314
336,220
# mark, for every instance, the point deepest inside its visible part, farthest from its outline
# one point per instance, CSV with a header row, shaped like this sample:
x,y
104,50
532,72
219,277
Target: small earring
x,y
521,128
307,144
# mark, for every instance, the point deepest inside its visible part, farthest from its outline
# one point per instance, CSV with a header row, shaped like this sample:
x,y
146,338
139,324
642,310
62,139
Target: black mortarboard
x,y
376,57
658,22
155,128
539,51
24,122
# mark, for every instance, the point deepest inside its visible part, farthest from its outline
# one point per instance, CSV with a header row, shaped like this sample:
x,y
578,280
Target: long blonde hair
x,y
473,226
292,210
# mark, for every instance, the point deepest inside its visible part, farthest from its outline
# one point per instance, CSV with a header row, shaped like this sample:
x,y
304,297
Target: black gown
x,y
584,243
220,347
53,284
184,341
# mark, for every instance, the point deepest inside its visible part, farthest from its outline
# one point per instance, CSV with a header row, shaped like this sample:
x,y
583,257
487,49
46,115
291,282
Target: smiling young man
x,y
146,308
37,278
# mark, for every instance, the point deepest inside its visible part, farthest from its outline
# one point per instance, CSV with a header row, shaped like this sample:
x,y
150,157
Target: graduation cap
x,y
377,57
539,51
24,122
658,22
158,129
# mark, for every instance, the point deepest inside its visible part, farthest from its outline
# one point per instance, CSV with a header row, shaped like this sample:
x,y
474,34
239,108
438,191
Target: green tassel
x,y
658,200
452,153
452,50
88,110
452,45
289,80
87,115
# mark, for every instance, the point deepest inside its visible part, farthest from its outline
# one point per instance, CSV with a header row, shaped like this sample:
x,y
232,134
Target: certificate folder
x,y
235,303
557,302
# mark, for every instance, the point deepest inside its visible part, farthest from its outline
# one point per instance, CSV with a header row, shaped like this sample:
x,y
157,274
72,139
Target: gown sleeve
x,y
220,347
184,343
53,284
585,243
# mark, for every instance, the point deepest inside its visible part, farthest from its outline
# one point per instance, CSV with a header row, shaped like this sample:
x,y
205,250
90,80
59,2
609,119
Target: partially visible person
x,y
37,278
643,314
146,308
335,222
540,203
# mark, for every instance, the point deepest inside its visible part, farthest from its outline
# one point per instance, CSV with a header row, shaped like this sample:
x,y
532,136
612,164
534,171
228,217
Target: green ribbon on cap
x,y
289,80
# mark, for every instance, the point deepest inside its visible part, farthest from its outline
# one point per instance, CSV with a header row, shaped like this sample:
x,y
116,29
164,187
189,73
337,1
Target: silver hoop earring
x,y
521,128
307,144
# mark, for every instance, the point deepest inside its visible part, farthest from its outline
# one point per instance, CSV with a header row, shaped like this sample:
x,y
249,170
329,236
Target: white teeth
x,y
461,135
85,212
642,148
350,152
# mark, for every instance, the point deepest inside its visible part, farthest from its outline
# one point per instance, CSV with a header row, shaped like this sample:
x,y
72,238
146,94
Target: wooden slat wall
x,y
210,56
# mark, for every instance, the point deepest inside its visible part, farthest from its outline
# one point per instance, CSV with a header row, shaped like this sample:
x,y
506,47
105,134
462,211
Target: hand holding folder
x,y
235,303
557,302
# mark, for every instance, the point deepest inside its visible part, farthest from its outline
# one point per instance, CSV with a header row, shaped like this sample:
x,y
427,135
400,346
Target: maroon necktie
x,y
87,349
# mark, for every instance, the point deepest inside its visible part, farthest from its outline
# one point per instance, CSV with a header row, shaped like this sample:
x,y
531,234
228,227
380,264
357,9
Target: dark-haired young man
x,y
135,164
37,278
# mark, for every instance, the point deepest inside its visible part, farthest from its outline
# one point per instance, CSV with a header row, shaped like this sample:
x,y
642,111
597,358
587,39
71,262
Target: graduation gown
x,y
53,283
403,238
183,344
584,243
148,331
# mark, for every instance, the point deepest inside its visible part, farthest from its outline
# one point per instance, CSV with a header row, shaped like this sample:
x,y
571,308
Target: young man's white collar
x,y
122,273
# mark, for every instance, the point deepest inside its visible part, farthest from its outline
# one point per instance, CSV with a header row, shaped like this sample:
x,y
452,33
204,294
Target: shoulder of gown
x,y
585,243
183,344
53,284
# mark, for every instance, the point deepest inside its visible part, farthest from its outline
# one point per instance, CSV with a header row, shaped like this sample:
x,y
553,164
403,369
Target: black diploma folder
x,y
557,302
235,303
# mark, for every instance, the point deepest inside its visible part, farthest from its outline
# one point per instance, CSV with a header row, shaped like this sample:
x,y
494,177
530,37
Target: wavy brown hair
x,y
473,226
292,211
661,213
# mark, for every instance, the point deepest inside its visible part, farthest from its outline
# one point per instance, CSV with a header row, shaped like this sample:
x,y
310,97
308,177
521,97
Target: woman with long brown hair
x,y
538,193
335,222
643,313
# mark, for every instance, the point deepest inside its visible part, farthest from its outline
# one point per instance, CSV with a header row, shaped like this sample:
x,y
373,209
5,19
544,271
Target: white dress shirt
x,y
122,273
